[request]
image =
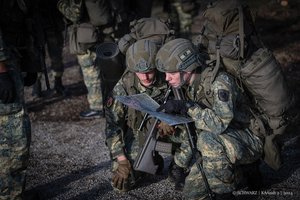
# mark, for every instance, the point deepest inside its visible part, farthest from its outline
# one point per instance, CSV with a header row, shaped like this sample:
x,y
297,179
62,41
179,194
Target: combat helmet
x,y
140,56
178,55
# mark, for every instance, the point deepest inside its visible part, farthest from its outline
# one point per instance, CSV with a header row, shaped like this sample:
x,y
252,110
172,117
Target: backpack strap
x,y
218,61
200,36
241,32
204,80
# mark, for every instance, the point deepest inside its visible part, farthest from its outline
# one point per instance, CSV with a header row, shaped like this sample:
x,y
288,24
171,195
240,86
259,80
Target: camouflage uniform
x,y
221,117
14,134
222,139
122,135
91,72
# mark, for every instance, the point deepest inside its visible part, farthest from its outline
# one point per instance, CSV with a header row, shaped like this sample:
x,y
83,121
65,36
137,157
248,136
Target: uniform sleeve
x,y
216,119
71,9
115,121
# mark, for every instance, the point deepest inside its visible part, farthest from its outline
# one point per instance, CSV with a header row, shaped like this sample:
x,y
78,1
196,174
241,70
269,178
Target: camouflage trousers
x,y
183,152
14,153
92,79
221,155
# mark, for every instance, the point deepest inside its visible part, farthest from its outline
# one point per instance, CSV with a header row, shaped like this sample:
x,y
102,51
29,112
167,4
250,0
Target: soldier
x,y
17,57
122,135
14,130
223,136
93,25
52,26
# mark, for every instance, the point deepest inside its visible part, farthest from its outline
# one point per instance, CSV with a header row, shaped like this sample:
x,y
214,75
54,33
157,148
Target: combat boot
x,y
58,86
158,160
177,175
91,114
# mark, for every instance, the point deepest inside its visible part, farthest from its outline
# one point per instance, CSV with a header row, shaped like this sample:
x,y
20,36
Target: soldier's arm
x,y
71,9
216,119
3,54
115,120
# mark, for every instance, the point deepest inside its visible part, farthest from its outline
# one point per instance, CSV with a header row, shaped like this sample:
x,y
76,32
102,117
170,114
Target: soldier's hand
x,y
165,129
175,106
7,88
120,176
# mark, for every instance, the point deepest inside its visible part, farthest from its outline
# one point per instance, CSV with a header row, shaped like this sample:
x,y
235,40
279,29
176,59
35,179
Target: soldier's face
x,y
175,79
147,78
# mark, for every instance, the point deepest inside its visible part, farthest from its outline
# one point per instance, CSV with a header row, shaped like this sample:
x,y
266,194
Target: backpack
x,y
157,30
230,38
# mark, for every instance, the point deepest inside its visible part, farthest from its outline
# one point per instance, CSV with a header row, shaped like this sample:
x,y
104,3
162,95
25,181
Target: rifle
x,y
144,161
190,128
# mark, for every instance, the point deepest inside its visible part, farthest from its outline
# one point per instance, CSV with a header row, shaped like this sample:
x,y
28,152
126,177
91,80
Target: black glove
x,y
121,175
7,88
175,106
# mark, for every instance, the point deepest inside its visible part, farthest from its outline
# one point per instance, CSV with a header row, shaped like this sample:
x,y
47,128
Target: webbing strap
x,y
218,61
202,32
241,32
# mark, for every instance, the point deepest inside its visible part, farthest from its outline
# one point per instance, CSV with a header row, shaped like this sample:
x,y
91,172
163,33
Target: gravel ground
x,y
69,159
73,163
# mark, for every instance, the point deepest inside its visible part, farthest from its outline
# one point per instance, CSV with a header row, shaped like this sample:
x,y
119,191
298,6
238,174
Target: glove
x,y
176,106
165,129
120,176
7,88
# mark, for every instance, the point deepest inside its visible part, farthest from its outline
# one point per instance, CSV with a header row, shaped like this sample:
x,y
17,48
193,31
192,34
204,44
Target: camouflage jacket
x,y
223,107
71,9
120,118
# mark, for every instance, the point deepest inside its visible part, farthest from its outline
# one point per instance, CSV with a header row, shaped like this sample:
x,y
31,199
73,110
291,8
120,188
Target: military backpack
x,y
230,38
157,30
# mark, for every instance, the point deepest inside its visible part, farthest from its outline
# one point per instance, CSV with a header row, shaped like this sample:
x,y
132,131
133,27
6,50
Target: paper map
x,y
145,103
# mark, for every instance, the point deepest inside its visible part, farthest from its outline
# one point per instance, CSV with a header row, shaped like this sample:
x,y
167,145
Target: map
x,y
145,103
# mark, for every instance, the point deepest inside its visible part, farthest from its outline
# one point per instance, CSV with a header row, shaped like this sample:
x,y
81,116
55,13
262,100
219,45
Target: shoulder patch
x,y
223,95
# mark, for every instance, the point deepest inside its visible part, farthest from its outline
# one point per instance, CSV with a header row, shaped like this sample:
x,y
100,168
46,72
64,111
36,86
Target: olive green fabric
x,y
140,57
154,29
229,37
178,55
